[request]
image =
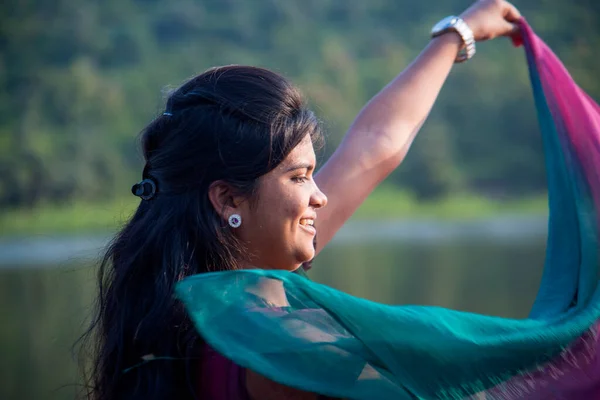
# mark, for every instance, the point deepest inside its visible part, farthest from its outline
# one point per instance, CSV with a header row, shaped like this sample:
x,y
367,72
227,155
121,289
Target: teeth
x,y
306,221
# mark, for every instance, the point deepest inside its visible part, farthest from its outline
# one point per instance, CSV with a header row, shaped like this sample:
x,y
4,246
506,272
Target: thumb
x,y
511,30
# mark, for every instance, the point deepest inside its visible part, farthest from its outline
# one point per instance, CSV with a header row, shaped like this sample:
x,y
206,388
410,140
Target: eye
x,y
299,179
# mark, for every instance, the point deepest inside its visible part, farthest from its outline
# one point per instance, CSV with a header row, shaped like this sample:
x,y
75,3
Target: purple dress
x,y
221,379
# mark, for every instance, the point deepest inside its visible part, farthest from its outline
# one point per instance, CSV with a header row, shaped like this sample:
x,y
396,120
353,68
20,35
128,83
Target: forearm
x,y
384,130
392,118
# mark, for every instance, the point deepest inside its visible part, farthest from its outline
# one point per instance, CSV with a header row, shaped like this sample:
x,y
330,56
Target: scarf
x,y
325,341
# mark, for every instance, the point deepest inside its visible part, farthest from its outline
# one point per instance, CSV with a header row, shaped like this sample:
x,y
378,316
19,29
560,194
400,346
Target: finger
x,y
511,13
511,29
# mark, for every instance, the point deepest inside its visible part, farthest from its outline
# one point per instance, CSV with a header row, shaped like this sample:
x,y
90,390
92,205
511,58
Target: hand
x,y
489,19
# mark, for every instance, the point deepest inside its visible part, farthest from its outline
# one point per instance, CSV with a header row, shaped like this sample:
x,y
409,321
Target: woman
x,y
228,184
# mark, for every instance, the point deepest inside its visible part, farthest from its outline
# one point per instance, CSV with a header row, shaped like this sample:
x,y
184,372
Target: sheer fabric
x,y
310,336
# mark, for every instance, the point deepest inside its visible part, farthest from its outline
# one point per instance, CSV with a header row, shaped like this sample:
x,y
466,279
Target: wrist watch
x,y
456,24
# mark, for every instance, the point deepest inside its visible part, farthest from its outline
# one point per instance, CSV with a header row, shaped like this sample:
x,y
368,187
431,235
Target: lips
x,y
307,224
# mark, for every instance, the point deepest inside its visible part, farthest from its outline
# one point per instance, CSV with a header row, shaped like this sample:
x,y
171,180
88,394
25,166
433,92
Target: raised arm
x,y
383,131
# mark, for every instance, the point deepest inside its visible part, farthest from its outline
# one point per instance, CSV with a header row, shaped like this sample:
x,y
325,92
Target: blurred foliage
x,y
79,79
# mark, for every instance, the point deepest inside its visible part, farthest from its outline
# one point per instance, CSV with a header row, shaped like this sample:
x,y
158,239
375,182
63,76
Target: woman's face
x,y
278,228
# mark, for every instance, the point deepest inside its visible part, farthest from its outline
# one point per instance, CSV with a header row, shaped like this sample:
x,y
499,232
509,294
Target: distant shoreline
x,y
51,250
384,204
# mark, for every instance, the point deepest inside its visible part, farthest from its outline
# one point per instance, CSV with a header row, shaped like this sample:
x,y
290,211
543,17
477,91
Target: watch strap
x,y
458,25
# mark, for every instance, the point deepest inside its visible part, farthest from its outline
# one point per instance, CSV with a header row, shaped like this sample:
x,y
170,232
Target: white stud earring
x,y
235,220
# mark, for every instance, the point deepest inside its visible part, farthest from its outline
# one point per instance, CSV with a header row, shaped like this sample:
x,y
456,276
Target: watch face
x,y
443,24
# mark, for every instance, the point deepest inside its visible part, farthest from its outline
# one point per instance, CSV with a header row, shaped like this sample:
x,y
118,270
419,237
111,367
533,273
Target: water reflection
x,y
42,312
483,276
43,308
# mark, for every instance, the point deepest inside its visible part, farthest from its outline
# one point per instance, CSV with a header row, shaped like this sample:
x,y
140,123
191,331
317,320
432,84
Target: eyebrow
x,y
302,165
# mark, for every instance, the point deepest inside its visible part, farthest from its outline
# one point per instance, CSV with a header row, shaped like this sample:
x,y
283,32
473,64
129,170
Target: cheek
x,y
280,212
283,214
281,218
274,215
294,206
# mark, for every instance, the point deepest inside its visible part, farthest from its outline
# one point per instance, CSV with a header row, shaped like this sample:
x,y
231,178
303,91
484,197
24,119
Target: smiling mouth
x,y
307,222
308,225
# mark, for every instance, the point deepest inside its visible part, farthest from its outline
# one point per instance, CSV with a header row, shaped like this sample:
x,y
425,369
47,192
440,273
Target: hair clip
x,y
167,114
146,189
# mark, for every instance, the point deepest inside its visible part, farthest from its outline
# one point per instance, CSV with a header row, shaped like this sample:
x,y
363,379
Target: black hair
x,y
235,124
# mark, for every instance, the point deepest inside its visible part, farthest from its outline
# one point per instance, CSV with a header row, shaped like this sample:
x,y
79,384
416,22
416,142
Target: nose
x,y
318,198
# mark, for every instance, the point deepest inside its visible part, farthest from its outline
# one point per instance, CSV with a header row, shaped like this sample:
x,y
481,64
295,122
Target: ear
x,y
222,197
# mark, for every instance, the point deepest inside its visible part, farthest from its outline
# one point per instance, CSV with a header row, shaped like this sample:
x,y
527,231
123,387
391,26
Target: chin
x,y
305,251
305,255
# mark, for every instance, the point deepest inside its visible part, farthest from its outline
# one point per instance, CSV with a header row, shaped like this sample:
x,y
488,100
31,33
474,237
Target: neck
x,y
254,264
269,289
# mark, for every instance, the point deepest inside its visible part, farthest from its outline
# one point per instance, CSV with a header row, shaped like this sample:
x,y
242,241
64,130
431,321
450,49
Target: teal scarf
x,y
322,340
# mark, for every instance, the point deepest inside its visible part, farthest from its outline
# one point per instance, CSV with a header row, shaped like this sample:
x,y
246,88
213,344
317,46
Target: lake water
x,y
47,283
